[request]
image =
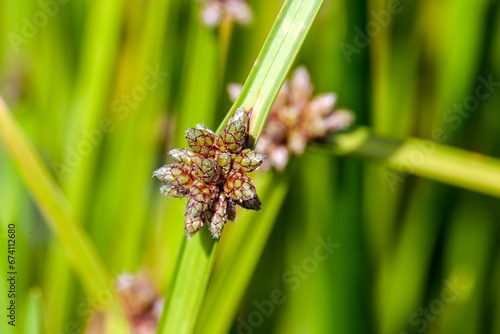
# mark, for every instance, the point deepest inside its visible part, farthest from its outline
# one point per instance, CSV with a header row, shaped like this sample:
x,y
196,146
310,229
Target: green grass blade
x,y
260,89
190,283
274,61
54,206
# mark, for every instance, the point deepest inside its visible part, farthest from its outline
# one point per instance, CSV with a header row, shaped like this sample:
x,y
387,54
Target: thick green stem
x,y
424,158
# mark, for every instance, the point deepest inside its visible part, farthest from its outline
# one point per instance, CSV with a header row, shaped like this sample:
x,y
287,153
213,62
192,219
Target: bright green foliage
x,y
97,93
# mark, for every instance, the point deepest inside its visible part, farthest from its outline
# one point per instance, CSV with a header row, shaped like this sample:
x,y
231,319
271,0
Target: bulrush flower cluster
x,y
212,175
216,11
141,301
297,118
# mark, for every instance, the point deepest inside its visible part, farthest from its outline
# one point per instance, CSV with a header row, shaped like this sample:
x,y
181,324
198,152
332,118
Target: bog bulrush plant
x,y
212,175
297,118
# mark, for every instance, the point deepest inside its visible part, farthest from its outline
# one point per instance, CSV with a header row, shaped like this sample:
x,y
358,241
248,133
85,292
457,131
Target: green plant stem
x,y
263,83
424,158
50,200
197,257
241,253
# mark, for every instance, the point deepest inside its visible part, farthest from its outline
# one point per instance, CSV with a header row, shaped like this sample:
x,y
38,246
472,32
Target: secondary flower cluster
x,y
212,175
141,302
297,118
216,11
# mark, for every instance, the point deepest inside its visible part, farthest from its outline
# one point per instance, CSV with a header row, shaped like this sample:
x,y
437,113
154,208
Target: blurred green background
x,y
103,90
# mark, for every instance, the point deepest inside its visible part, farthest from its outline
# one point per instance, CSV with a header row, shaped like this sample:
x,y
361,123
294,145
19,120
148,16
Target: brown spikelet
x,y
219,217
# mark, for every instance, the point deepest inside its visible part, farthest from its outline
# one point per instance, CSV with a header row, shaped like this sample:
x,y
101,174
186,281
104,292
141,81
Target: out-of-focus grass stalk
x,y
56,209
469,268
392,61
424,158
458,49
496,296
53,90
316,212
185,273
419,226
128,217
347,277
380,61
98,52
225,33
33,323
262,85
96,58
